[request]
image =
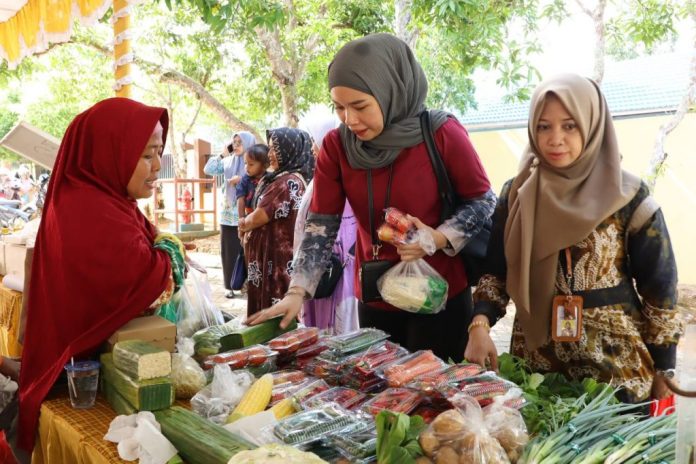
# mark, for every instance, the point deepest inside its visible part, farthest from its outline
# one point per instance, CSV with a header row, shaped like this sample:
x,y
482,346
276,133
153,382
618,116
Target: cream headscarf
x,y
553,208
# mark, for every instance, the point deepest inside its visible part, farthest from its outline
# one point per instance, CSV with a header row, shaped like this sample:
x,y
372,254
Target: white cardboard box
x,y
15,255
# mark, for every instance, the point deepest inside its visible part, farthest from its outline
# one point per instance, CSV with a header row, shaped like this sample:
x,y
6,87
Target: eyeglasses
x,y
236,143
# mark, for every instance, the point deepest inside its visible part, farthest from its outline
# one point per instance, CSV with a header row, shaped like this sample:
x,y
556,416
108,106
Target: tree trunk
x,y
659,156
402,10
597,16
182,81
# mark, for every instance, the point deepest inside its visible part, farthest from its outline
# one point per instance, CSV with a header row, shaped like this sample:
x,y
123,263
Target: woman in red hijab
x,y
95,266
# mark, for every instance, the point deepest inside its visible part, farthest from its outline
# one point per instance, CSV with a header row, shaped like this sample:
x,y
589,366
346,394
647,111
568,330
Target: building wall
x,y
675,190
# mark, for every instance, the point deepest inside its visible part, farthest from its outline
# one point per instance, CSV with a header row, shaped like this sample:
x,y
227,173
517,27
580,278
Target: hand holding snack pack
x,y
413,286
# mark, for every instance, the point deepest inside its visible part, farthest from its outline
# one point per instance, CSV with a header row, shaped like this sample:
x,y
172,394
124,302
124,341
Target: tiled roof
x,y
649,84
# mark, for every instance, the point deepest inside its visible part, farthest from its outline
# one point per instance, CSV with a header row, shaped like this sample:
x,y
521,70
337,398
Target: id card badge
x,y
566,322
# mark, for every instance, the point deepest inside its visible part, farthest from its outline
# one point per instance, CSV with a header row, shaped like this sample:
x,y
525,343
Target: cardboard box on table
x,y
153,329
15,259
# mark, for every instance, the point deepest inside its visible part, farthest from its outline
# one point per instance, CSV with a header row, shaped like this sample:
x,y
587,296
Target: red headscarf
x,y
94,266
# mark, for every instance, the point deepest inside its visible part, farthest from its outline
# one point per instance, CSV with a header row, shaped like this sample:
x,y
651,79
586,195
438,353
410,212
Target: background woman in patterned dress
x,y
571,193
271,225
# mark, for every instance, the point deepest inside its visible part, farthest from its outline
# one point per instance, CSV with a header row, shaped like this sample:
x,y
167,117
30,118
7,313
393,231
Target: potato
x,y
424,460
428,442
449,425
446,455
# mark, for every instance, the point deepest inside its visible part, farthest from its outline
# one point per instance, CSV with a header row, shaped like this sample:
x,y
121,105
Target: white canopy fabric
x,y
9,8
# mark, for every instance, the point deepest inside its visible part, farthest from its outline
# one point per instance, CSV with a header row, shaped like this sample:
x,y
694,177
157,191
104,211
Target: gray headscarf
x,y
383,66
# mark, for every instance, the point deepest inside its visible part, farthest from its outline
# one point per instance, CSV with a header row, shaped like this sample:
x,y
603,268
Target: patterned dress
x,y
623,342
269,248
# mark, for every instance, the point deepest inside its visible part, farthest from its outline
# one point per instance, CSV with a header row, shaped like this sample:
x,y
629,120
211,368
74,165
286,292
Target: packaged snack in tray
x,y
394,399
355,341
411,367
288,375
287,389
316,424
484,388
310,389
447,375
365,364
324,368
430,408
355,446
344,396
292,341
255,355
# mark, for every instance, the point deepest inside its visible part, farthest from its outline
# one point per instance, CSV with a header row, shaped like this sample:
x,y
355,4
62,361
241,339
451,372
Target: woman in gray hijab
x,y
377,159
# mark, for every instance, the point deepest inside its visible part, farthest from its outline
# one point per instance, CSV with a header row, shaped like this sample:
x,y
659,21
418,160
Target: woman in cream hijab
x,y
572,222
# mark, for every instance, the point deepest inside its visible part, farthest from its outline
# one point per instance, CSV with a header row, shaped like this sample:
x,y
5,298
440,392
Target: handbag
x,y
474,252
239,272
372,270
330,277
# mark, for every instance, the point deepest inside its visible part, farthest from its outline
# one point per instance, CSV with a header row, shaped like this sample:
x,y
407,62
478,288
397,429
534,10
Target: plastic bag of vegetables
x,y
460,435
187,376
507,426
414,286
217,400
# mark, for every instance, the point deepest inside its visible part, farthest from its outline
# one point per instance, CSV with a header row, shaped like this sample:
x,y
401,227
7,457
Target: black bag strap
x,y
376,244
447,196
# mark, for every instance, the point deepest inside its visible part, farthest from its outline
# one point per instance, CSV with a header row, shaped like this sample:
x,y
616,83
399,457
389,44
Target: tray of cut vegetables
x,y
344,396
484,388
304,389
409,368
453,374
315,424
288,375
255,355
354,446
402,400
291,342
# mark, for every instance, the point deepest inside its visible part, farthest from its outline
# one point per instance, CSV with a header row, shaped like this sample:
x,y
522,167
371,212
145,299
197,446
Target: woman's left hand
x,y
413,251
660,390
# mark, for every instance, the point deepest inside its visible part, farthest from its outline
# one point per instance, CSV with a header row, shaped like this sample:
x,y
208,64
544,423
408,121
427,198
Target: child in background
x,y
255,162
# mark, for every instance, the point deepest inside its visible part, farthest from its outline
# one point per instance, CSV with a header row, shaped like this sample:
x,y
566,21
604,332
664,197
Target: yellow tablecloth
x,y
74,436
10,311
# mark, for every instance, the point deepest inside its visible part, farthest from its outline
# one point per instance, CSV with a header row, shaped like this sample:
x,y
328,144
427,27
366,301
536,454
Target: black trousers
x,y
230,247
446,333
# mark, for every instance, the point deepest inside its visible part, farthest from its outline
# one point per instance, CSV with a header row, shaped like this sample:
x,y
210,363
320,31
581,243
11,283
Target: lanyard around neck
x,y
376,244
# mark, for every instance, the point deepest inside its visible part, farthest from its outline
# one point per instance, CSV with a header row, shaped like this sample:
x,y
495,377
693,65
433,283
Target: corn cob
x,y
284,408
255,399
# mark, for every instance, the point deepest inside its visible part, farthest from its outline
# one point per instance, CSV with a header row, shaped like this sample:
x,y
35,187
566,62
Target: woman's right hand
x,y
289,307
481,349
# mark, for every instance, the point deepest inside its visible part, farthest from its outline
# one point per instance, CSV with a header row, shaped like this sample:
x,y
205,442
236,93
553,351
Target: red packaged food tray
x,y
447,375
292,341
401,400
409,368
288,375
254,355
365,364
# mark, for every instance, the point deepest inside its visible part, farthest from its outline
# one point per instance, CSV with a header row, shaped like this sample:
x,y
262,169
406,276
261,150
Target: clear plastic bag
x,y
195,309
415,286
507,426
216,401
187,376
460,435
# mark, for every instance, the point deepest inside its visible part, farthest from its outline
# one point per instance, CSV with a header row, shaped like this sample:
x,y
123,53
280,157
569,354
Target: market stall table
x,y
75,436
10,311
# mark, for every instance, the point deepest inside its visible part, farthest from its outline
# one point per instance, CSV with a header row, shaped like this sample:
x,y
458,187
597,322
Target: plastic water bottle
x,y
686,407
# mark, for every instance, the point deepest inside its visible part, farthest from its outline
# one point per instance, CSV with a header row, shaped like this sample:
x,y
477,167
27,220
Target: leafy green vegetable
x,y
397,437
552,399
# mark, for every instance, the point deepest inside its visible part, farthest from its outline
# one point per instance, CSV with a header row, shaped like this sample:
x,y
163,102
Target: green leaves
x,y
397,437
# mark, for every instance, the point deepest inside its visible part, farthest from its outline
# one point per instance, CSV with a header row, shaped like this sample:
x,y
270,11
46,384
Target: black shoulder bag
x,y
474,252
372,270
